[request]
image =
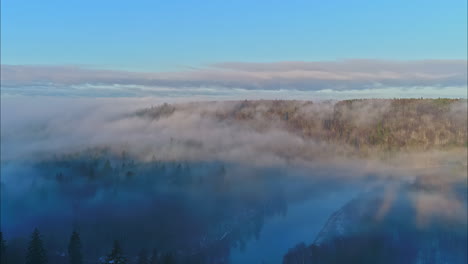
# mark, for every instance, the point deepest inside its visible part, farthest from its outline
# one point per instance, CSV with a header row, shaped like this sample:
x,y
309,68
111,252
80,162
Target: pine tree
x,y
2,249
107,167
154,257
143,257
36,252
74,249
168,259
116,256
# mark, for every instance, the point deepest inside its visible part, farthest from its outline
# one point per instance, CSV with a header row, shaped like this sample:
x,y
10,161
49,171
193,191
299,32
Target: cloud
x,y
234,78
34,128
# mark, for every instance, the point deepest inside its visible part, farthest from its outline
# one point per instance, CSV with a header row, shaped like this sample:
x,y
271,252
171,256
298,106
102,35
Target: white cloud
x,y
348,78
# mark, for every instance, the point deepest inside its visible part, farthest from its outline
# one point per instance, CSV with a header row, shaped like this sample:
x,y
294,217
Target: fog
x,y
190,133
199,179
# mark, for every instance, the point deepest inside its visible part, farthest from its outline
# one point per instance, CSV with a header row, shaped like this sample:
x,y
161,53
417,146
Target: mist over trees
x,y
395,124
3,247
143,257
74,249
242,131
36,252
192,181
376,227
116,256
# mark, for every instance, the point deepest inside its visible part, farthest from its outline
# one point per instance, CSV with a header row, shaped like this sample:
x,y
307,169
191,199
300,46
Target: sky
x,y
171,39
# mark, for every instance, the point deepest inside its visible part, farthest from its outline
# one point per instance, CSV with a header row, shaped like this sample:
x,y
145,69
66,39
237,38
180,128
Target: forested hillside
x,y
362,125
197,181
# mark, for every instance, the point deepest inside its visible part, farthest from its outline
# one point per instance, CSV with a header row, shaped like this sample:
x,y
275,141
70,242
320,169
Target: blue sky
x,y
170,35
345,45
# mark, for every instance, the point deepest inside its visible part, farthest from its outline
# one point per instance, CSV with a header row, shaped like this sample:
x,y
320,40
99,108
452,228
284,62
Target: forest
x,y
202,182
363,124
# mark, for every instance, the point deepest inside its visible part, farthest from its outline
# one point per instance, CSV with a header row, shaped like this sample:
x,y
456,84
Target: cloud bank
x,y
235,131
346,78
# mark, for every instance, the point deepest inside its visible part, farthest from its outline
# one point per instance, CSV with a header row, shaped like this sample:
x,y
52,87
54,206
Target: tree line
x,y
36,253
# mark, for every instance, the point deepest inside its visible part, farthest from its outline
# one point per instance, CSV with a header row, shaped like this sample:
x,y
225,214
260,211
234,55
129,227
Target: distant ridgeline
x,y
361,124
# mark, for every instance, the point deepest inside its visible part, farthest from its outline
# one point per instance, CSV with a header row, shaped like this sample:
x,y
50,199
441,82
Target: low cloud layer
x,y
361,78
232,130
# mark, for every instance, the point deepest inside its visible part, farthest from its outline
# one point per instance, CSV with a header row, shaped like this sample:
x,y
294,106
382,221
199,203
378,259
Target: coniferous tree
x,y
74,249
168,259
116,256
143,257
2,249
154,257
107,169
36,252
